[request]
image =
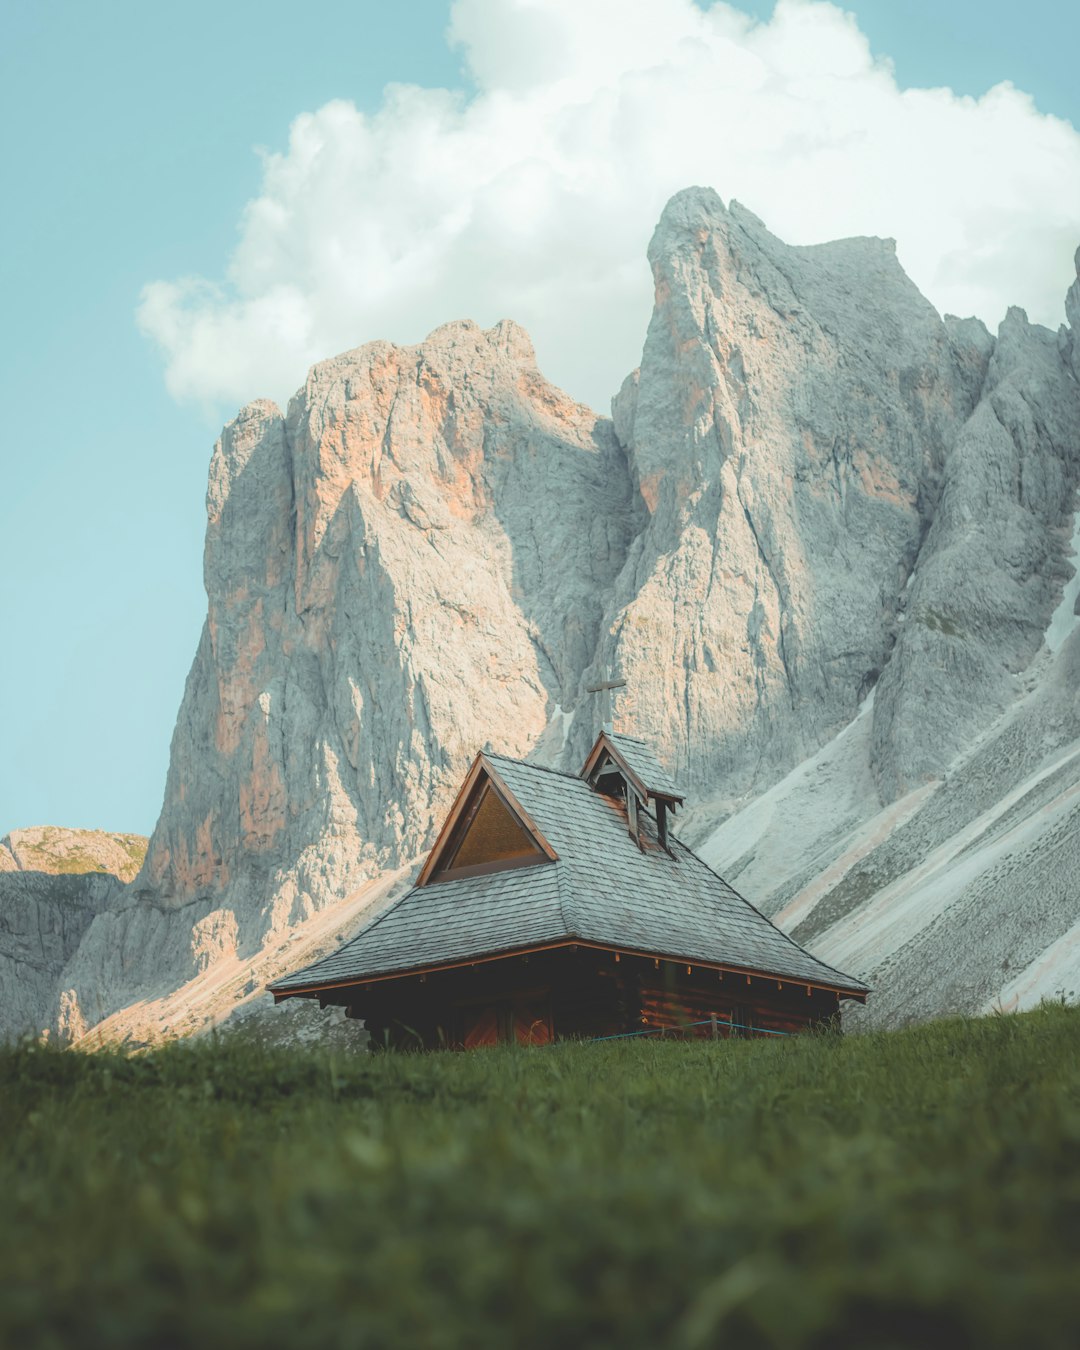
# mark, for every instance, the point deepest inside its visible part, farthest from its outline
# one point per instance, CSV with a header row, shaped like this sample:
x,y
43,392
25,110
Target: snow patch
x,y
548,749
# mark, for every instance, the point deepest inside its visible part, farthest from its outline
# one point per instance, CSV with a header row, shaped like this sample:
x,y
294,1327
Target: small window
x,y
608,779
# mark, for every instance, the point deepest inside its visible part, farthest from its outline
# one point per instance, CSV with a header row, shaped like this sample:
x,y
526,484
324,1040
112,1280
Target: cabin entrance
x,y
524,1020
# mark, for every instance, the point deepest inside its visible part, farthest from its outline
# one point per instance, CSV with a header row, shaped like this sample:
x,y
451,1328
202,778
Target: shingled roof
x,y
601,888
641,761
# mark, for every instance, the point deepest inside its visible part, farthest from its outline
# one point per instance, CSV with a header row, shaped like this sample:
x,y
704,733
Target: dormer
x,y
487,830
625,768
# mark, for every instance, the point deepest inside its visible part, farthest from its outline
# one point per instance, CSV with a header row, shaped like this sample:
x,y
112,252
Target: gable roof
x,y
638,760
602,889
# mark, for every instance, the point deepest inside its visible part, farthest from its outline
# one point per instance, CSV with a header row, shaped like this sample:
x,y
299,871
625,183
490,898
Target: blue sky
x,y
129,158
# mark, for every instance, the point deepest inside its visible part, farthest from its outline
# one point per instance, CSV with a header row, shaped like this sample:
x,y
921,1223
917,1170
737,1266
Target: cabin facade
x,y
555,906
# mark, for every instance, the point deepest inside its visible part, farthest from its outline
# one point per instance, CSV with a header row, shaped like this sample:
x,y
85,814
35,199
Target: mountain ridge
x,y
812,488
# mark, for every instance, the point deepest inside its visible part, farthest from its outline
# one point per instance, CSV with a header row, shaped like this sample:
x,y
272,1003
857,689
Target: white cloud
x,y
534,197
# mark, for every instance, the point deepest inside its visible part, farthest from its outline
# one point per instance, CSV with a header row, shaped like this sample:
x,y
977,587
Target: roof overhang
x,y
858,992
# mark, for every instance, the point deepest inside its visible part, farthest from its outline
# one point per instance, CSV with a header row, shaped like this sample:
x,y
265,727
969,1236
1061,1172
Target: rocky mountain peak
x,y
409,565
787,432
1072,312
812,488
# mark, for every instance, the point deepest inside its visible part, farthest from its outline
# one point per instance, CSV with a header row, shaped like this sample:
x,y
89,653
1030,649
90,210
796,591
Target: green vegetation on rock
x,y
912,1188
63,852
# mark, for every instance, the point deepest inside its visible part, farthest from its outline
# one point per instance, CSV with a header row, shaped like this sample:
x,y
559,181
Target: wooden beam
x,y
486,868
515,808
632,817
366,981
451,820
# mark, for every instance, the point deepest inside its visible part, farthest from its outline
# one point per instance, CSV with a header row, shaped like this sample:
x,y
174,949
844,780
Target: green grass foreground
x,y
913,1188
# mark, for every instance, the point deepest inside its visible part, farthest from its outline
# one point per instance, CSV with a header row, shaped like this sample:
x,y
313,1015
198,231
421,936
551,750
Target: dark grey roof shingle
x,y
602,889
640,758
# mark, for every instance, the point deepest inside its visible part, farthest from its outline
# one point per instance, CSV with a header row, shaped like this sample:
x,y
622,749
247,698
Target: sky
x,y
203,199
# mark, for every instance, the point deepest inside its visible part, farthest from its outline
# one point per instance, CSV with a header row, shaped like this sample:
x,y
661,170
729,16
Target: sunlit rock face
x,y
813,487
829,469
409,566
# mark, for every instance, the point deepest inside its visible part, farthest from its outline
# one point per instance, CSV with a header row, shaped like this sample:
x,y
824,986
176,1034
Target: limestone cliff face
x,y
410,565
813,486
788,431
838,484
993,564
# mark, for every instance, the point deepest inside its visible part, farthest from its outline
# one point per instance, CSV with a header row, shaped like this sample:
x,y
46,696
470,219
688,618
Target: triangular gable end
x,y
605,757
487,830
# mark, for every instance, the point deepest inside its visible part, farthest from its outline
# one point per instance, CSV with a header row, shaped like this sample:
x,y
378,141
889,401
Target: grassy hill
x,y
909,1188
57,851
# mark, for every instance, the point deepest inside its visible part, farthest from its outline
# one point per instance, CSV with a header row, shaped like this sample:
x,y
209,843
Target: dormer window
x,y
625,768
486,832
611,782
487,835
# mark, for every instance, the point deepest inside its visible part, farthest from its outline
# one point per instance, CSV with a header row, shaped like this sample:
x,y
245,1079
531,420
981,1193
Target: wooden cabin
x,y
554,906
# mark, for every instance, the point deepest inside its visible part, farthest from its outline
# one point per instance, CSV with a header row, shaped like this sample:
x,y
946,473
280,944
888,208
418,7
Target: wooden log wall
x,y
587,993
686,1000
